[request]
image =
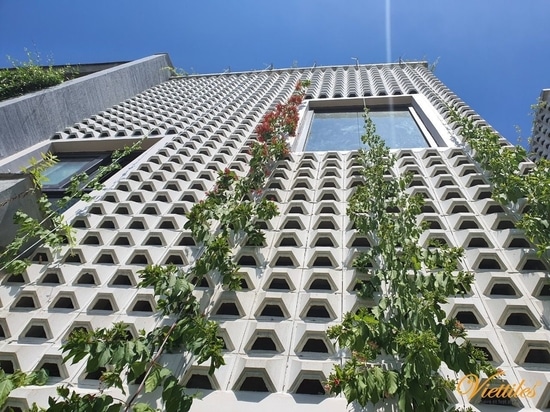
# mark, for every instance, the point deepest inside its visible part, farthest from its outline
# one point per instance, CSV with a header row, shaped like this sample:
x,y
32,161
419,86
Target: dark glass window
x,y
71,164
60,173
342,130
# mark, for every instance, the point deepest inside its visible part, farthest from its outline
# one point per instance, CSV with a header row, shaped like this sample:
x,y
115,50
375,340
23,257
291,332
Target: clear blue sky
x,y
494,54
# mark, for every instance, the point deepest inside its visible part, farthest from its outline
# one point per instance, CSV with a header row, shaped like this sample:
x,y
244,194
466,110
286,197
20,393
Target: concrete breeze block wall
x,y
302,280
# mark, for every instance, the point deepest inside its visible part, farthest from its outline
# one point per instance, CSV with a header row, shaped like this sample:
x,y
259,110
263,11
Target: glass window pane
x,y
398,129
64,169
335,131
343,130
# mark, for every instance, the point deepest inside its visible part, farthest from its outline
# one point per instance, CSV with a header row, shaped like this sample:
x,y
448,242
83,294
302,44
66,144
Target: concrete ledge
x,y
35,117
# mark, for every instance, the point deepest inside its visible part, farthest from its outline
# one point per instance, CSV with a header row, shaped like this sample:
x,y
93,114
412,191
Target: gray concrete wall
x,y
16,193
35,117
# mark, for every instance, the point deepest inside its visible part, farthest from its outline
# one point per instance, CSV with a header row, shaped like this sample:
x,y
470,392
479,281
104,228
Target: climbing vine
x,y
123,360
397,347
228,216
51,229
224,220
512,183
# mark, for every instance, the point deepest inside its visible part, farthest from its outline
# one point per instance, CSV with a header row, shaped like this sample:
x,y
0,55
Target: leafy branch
x,y
511,183
227,216
11,381
51,229
397,347
124,360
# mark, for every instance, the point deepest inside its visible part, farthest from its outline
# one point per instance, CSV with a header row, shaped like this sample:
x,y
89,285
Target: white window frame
x,y
428,119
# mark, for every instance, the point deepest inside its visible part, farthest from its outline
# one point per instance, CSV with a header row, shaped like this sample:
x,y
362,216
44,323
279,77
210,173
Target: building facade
x,y
301,281
540,141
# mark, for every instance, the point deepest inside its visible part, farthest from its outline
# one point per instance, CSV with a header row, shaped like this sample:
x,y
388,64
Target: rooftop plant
x,y
30,76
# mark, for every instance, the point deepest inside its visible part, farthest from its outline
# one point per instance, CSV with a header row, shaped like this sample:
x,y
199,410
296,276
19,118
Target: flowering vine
x,y
221,222
227,217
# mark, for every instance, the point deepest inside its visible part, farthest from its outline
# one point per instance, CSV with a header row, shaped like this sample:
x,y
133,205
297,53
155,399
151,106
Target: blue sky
x,y
494,54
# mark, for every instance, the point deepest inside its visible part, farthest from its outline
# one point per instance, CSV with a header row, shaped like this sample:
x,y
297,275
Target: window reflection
x,y
61,172
343,130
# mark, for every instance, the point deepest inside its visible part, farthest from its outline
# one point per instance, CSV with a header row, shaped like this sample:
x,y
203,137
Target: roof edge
x,y
269,70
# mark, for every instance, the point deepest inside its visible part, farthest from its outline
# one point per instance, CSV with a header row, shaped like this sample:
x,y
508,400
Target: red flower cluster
x,y
282,121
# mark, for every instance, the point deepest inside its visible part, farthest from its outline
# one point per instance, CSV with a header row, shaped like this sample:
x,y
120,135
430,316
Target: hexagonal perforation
x,y
514,317
254,380
65,301
264,340
198,378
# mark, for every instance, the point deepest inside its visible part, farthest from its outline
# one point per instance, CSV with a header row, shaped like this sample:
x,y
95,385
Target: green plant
x,y
29,76
176,71
52,229
397,347
124,360
511,183
10,381
227,216
536,109
222,221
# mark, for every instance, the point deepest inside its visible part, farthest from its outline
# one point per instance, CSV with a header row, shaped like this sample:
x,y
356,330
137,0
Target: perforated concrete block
x,y
270,371
281,280
319,307
322,280
25,356
539,382
470,311
250,401
300,369
273,328
513,313
265,338
274,306
500,286
309,341
324,257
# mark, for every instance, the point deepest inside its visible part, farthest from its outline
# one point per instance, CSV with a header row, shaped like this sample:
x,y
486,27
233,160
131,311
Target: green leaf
x,y
136,370
118,354
6,386
63,391
104,354
142,407
155,378
391,379
38,378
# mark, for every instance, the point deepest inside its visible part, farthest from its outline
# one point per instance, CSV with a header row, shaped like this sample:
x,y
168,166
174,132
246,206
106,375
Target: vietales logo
x,y
472,385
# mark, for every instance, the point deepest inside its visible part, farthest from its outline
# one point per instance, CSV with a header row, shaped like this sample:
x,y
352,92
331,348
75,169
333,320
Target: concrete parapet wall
x,y
16,193
35,117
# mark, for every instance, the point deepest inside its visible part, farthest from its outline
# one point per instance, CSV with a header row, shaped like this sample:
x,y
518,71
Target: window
x,y
70,164
59,175
404,122
342,130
